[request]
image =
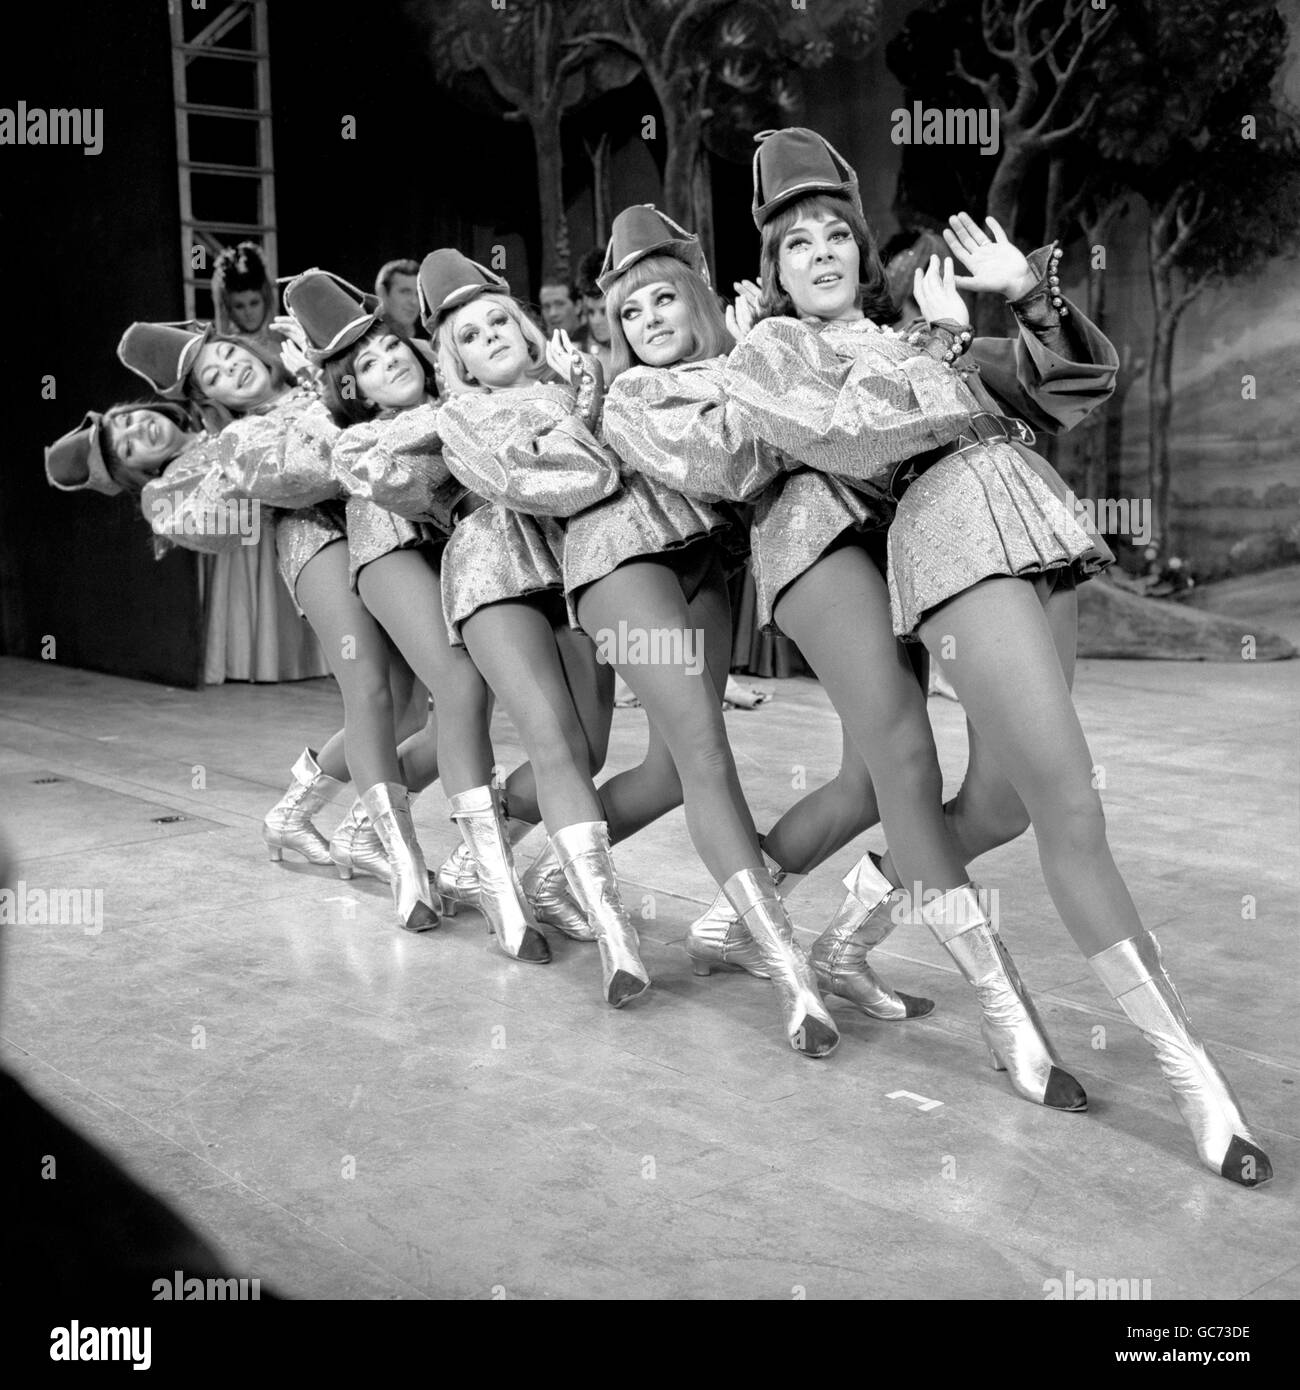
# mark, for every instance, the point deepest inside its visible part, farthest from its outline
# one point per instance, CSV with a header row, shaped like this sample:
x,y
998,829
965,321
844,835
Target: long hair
x,y
452,374
127,479
708,324
341,391
216,414
872,296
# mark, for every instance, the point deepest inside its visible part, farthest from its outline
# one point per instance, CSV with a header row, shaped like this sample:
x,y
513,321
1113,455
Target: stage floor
x,y
354,1112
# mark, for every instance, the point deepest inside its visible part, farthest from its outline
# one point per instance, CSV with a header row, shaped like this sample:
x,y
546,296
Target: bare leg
x,y
512,644
685,707
1007,671
838,613
358,655
403,591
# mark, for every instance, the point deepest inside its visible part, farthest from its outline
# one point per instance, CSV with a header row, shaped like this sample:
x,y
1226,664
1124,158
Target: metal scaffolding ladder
x,y
221,87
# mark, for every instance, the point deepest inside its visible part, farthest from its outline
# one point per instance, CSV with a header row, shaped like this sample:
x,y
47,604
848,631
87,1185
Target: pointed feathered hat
x,y
641,231
791,164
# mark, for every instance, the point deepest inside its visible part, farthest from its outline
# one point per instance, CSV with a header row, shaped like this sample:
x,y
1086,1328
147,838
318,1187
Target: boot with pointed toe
x,y
759,909
584,854
501,897
1133,971
388,806
1014,1034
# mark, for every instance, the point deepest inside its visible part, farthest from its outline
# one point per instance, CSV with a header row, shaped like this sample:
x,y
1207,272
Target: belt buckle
x,y
1023,434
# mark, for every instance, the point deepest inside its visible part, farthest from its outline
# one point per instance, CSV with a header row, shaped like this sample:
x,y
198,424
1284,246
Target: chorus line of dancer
x,y
841,428
975,547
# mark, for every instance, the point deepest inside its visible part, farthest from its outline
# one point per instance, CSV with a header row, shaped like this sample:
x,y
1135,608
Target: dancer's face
x,y
388,373
232,376
248,309
145,441
819,265
657,322
491,344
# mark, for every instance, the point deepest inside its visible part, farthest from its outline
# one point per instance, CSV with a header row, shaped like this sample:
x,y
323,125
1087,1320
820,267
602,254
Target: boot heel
x,y
276,853
344,870
701,967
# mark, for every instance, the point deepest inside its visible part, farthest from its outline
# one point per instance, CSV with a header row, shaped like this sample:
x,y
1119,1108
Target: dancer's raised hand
x,y
562,357
995,265
935,291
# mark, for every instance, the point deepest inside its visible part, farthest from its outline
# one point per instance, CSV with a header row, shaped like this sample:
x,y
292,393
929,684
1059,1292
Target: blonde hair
x,y
712,338
452,375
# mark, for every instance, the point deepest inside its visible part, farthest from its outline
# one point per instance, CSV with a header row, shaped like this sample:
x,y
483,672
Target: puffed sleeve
x,y
525,449
284,457
677,427
1055,370
194,504
855,415
396,463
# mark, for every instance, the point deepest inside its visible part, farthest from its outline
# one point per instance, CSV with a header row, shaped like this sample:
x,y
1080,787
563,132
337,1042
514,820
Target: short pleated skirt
x,y
303,534
374,533
795,522
495,554
643,518
991,511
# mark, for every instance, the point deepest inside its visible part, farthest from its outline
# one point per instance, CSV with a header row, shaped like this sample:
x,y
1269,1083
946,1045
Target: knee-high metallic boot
x,y
288,823
839,955
389,809
500,895
811,1030
716,938
457,877
1134,973
584,855
548,890
1014,1034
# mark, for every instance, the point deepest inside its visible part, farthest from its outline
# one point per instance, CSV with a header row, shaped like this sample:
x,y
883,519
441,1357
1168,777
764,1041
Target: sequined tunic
x,y
393,455
673,425
527,452
278,458
856,400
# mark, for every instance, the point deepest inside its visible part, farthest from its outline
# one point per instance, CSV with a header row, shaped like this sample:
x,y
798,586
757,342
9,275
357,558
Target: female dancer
x,y
974,547
279,453
521,442
395,460
641,567
376,390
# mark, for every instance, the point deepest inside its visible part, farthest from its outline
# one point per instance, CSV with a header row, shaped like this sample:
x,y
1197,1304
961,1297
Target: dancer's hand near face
x,y
742,314
935,291
995,266
563,358
293,351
